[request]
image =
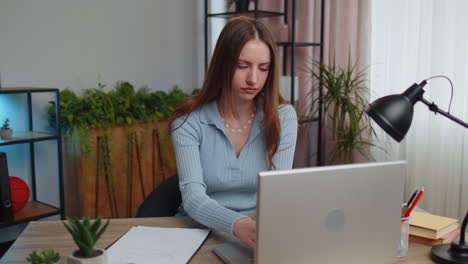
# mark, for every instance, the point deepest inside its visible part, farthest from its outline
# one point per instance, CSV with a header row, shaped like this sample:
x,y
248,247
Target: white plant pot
x,y
100,258
6,133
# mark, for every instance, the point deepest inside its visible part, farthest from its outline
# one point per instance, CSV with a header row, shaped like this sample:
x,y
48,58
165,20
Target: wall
x,y
71,44
56,43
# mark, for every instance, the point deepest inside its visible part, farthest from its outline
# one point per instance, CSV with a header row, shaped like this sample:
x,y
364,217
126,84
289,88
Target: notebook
x,y
332,214
147,245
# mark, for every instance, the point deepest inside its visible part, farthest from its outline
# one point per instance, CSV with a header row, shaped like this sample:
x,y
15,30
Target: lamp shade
x,y
393,113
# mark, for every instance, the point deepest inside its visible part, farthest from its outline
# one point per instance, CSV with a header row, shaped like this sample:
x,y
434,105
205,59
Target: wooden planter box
x,y
125,164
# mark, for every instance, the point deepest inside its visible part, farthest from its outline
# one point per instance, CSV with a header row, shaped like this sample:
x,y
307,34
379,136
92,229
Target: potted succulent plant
x,y
86,233
5,130
47,256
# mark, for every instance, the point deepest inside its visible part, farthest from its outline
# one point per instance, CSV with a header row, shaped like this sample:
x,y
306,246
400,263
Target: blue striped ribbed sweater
x,y
217,187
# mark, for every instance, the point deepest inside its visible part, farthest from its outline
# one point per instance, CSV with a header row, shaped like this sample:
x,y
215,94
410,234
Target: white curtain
x,y
411,41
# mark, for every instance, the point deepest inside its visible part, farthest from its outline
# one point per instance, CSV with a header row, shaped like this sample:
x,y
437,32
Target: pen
x,y
403,211
414,202
412,197
405,207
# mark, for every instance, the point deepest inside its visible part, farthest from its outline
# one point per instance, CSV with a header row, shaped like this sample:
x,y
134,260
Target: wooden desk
x,y
40,235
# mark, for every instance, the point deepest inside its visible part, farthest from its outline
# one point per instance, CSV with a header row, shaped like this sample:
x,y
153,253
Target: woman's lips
x,y
249,90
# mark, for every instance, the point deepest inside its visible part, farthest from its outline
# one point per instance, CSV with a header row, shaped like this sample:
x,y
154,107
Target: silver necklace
x,y
241,128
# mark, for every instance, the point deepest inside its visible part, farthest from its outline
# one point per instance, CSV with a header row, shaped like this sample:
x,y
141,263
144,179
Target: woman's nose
x,y
252,78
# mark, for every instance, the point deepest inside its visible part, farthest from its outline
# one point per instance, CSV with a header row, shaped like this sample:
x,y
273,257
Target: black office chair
x,y
163,201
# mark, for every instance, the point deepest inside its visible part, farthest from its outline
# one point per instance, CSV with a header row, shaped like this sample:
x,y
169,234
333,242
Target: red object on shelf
x,y
19,193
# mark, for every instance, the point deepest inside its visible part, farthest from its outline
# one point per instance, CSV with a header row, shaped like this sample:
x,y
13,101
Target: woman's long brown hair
x,y
217,84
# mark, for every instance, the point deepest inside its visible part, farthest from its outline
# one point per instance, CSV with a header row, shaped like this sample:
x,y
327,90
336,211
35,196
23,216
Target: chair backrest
x,y
163,201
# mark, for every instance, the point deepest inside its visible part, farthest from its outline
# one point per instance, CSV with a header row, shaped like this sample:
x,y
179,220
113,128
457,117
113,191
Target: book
x,y
446,239
431,226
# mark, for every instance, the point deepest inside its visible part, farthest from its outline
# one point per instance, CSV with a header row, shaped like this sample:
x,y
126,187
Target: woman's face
x,y
251,71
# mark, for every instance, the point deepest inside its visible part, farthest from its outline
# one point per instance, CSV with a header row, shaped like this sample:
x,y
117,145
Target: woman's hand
x,y
245,229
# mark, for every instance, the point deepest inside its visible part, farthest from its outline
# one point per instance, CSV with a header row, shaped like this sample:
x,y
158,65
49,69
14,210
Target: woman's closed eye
x,y
262,68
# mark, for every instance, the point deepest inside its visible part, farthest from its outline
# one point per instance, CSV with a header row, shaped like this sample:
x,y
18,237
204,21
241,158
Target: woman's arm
x,y
284,157
196,202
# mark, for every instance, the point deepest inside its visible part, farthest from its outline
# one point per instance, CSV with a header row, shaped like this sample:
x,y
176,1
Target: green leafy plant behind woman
x,y
343,102
122,105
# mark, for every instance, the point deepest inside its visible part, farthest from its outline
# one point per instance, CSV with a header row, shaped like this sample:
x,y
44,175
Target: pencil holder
x,y
404,235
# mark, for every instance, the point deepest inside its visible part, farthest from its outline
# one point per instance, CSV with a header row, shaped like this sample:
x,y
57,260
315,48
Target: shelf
x,y
27,136
35,209
32,211
13,90
258,13
299,44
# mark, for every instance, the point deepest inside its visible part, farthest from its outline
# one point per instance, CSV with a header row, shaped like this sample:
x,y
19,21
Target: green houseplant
x,y
5,131
343,101
116,145
86,233
120,105
47,256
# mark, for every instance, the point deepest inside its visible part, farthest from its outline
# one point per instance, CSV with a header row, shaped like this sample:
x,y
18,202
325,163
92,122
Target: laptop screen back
x,y
333,214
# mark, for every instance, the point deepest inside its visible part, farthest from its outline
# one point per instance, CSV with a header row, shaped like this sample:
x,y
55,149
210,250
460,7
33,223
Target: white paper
x,y
141,245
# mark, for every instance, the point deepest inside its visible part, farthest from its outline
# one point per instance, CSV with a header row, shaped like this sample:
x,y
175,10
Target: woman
x,y
235,127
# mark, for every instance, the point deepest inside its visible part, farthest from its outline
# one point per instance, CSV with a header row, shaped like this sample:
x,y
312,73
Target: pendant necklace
x,y
242,127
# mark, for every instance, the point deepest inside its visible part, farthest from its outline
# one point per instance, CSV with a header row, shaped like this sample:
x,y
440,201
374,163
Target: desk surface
x,y
40,235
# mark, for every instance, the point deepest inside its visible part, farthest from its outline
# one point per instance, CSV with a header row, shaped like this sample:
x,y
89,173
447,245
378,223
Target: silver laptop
x,y
333,214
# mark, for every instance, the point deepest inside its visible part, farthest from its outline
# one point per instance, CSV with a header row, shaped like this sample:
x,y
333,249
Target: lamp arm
x,y
463,229
434,108
453,253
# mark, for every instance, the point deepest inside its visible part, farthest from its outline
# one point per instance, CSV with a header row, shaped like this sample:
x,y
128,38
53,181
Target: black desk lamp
x,y
394,113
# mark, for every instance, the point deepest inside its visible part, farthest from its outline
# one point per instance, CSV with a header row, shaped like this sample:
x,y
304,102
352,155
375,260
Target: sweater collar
x,y
210,115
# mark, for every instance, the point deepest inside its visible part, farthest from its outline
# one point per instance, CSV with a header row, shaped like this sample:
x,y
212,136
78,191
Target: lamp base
x,y
453,253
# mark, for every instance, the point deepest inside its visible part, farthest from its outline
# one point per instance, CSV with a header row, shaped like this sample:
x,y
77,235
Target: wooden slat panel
x,y
126,167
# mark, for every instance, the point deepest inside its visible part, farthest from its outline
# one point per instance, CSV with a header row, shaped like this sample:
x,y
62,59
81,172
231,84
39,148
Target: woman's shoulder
x,y
287,111
187,119
196,116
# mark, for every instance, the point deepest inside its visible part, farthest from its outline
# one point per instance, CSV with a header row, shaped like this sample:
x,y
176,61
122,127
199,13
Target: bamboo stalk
x,y
97,176
129,175
153,155
108,177
161,167
140,172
